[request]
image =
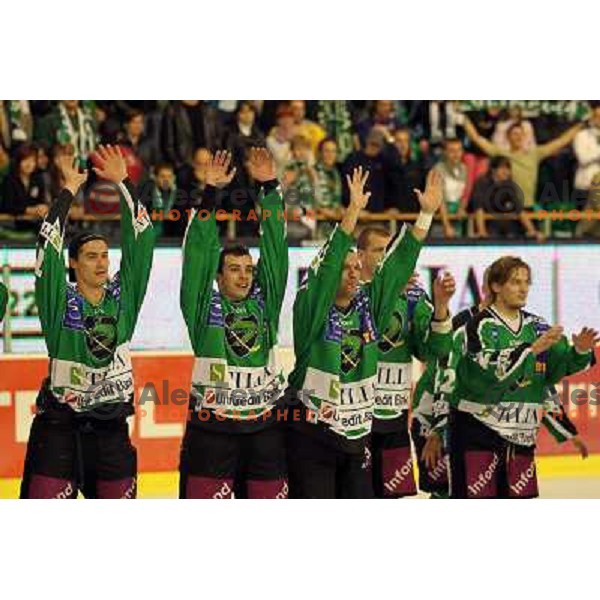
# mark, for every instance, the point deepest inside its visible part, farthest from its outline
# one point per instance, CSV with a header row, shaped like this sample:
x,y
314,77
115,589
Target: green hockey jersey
x,y
234,376
3,300
411,332
493,374
90,363
337,350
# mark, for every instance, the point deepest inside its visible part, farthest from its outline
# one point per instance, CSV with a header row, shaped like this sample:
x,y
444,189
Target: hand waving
x,y
70,172
358,197
585,340
261,165
431,199
110,163
217,172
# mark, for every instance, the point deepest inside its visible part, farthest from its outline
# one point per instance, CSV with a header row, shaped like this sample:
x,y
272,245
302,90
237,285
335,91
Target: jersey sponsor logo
x,y
217,372
392,337
241,333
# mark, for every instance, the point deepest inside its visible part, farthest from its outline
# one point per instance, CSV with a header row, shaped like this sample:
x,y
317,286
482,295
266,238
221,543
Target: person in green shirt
x,y
418,329
338,324
503,361
79,439
233,439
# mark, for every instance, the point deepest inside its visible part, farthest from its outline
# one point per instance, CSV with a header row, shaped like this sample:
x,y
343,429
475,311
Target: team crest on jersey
x,y
352,343
101,336
392,338
241,333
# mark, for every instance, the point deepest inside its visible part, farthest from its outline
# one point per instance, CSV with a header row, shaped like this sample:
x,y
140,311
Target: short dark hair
x,y
78,241
327,140
163,165
501,270
499,161
367,233
236,250
132,114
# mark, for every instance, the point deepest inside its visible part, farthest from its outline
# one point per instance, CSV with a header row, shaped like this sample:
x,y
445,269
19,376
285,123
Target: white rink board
x,y
565,285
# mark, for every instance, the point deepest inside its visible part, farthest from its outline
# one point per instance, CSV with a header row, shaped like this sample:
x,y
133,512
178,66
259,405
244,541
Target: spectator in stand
x,y
300,177
375,158
495,193
524,163
328,186
243,134
454,175
69,123
382,118
139,150
587,150
53,178
305,127
410,172
4,165
513,116
23,189
192,179
590,228
280,138
186,125
16,123
163,197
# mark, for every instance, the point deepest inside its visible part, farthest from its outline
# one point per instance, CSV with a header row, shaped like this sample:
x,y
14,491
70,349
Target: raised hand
x,y
110,163
585,340
356,184
431,199
217,171
261,165
547,339
70,172
443,289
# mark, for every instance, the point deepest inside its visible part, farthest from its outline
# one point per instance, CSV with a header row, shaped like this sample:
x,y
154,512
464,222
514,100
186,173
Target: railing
x,y
391,216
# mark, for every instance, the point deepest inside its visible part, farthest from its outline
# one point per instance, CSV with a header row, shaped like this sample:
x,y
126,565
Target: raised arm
x,y
201,250
398,264
557,144
273,265
565,359
50,272
137,239
478,139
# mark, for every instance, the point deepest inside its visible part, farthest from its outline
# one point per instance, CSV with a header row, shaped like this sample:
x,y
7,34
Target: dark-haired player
x,y
232,437
79,438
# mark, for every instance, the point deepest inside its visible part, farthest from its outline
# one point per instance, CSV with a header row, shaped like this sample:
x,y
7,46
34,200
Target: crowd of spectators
x,y
496,158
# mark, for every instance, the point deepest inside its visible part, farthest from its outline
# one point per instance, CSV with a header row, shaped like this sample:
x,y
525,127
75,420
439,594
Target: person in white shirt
x,y
587,150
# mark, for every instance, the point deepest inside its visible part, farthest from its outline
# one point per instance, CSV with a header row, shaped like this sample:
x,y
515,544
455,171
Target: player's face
x,y
91,266
350,276
373,254
513,294
236,279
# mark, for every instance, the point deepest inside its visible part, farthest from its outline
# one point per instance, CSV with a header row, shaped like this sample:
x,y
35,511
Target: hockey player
x,y
502,362
417,329
79,438
233,437
428,430
337,328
